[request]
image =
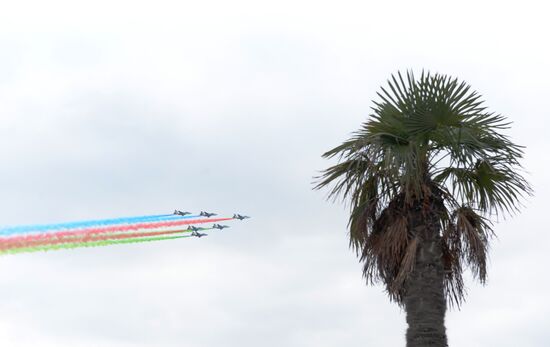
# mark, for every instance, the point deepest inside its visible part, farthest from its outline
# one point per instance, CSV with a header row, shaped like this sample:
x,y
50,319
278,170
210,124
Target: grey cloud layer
x,y
208,112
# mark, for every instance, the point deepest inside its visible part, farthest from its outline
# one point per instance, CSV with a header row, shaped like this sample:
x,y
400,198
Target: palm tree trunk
x,y
424,296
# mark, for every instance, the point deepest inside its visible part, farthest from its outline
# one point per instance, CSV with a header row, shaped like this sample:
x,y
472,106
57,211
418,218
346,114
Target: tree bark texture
x,y
424,296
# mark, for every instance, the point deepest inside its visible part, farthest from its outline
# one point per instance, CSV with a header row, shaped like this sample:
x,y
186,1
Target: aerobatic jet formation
x,y
110,231
197,234
239,217
218,226
207,214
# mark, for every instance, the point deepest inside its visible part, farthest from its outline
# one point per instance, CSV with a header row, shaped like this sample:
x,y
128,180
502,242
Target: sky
x,y
122,108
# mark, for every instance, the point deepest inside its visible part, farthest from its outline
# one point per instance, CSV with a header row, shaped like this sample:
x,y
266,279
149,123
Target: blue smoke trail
x,y
24,229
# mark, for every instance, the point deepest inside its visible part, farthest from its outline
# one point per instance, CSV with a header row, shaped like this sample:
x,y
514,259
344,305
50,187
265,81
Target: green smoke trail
x,y
89,244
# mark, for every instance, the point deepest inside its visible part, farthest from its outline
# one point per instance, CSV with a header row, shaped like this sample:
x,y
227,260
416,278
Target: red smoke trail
x,y
86,238
6,241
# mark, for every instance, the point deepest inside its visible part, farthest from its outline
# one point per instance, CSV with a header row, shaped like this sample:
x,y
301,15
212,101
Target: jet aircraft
x,y
207,215
218,226
197,234
194,228
180,213
239,217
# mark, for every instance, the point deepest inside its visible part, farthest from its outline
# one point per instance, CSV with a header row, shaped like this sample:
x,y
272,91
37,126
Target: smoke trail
x,y
112,229
89,244
89,223
89,238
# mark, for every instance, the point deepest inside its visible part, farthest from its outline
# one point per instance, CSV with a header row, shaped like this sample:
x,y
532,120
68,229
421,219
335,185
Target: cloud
x,y
128,109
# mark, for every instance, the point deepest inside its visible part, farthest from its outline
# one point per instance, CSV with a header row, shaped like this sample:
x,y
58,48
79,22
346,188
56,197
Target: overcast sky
x,y
121,108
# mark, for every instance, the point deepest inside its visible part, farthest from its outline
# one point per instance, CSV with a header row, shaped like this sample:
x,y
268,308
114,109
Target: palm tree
x,y
424,176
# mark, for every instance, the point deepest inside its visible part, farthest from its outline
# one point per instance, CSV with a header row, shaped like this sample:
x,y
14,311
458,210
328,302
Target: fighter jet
x,y
194,228
180,213
207,215
197,234
239,217
218,226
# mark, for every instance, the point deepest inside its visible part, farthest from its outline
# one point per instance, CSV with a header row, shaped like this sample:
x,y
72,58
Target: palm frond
x,y
489,185
474,231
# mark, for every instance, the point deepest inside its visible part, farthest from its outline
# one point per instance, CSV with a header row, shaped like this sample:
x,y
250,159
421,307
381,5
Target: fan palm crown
x,y
431,146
